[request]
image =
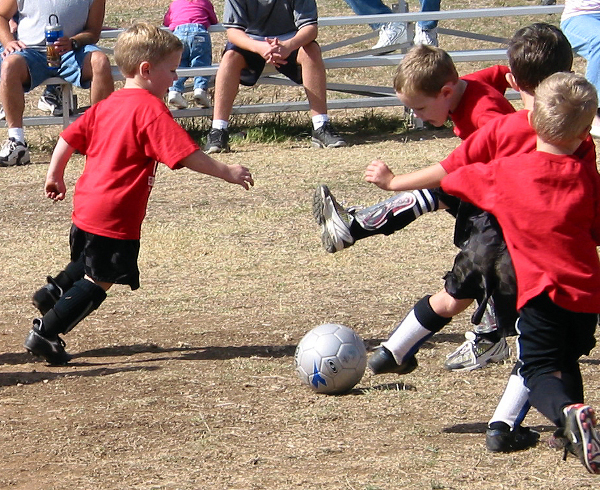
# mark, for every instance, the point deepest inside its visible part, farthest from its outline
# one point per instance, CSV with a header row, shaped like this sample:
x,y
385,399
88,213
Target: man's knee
x,y
310,52
14,68
100,64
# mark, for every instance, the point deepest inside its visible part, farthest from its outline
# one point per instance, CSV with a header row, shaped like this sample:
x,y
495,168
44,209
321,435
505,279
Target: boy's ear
x,y
510,78
447,89
585,133
144,69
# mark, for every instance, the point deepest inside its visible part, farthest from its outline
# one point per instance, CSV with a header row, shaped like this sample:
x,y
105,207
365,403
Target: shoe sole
x,y
590,444
216,149
319,144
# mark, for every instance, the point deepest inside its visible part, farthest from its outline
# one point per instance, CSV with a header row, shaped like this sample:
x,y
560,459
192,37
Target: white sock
x,y
319,120
408,335
219,124
17,133
513,402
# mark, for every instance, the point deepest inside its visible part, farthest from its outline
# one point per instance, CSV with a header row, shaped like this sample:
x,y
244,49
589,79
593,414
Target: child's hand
x,y
379,173
240,175
55,189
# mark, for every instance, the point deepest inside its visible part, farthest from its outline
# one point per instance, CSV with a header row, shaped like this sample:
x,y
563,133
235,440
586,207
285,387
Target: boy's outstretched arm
x,y
234,174
55,182
379,173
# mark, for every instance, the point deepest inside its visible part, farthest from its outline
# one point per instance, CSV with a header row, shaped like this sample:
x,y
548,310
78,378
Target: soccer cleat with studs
x,y
580,430
333,219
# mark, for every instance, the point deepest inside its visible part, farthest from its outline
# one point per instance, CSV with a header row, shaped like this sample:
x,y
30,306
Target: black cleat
x,y
382,361
505,440
52,350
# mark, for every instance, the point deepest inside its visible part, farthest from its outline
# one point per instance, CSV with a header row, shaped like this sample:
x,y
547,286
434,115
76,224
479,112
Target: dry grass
x,y
188,383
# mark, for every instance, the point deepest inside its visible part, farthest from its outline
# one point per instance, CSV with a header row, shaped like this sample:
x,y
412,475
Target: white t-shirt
x,y
34,16
580,7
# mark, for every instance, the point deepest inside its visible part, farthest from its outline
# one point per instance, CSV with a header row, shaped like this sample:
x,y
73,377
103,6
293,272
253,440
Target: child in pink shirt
x,y
189,20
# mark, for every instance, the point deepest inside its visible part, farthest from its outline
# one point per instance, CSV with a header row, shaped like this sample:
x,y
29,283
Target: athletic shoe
x,y
425,36
2,113
390,34
326,137
580,422
52,101
382,361
201,97
52,350
14,152
333,219
505,440
46,297
476,352
176,100
217,141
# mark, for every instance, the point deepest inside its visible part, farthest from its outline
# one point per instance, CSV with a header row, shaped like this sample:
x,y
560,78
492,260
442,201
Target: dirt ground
x,y
189,382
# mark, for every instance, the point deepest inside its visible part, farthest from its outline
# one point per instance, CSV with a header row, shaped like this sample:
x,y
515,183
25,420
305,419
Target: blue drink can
x,y
53,31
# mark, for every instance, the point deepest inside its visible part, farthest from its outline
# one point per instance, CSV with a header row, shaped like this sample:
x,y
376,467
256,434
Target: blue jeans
x,y
583,32
429,6
376,7
197,52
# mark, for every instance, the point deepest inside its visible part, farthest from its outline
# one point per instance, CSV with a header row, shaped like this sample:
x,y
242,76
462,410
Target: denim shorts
x,y
71,65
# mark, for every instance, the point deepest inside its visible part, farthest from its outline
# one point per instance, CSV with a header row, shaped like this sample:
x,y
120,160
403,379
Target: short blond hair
x,y
564,107
144,42
424,70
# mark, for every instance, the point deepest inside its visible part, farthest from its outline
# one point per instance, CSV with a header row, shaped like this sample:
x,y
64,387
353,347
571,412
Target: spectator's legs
x,y
13,76
429,6
96,67
369,7
227,83
313,77
582,31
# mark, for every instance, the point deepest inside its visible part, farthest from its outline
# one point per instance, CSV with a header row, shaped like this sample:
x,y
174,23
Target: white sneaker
x,y
14,152
333,219
176,100
390,34
201,97
476,352
425,36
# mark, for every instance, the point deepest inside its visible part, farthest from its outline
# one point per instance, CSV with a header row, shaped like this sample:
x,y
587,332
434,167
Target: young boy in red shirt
x,y
427,82
552,239
111,196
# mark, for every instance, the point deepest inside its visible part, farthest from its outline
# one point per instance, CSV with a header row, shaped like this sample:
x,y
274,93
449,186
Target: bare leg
x,y
13,76
313,77
227,84
96,68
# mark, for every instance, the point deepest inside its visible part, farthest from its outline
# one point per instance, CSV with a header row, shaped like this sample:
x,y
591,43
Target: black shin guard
x,y
72,273
393,214
73,306
428,318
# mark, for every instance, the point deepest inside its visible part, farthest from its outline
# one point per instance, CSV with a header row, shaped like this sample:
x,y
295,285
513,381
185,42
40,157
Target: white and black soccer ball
x,y
331,359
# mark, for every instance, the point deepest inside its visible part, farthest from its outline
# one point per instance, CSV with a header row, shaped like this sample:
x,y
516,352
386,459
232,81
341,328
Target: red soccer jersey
x,y
482,101
549,209
122,137
504,136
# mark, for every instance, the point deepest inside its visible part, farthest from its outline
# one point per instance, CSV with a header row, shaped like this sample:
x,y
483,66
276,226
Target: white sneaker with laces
x,y
476,352
333,219
176,100
201,97
426,36
14,152
390,34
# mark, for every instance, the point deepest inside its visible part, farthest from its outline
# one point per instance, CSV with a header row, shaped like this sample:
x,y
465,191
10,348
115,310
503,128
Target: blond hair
x,y
424,70
564,106
144,42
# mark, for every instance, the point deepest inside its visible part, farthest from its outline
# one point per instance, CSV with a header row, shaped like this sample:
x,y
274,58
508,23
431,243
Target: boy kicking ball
x,y
123,138
553,243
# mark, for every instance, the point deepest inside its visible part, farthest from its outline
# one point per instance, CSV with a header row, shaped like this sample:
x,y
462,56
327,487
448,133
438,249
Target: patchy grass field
x,y
189,383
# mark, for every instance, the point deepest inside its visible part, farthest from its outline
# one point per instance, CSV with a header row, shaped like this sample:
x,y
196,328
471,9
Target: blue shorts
x,y
71,65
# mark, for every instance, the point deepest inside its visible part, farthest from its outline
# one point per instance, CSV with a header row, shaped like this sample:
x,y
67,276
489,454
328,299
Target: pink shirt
x,y
190,12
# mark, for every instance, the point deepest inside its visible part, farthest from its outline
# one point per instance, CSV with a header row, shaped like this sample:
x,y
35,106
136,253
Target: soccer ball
x,y
331,359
